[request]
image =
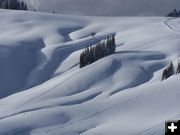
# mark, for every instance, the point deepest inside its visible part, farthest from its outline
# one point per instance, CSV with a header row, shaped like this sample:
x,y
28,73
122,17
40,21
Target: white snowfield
x,y
44,92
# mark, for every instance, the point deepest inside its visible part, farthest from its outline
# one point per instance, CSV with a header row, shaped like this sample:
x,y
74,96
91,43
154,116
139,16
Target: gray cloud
x,y
107,7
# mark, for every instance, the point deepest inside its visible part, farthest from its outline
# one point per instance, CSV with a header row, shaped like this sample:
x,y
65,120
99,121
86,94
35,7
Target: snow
x,y
43,90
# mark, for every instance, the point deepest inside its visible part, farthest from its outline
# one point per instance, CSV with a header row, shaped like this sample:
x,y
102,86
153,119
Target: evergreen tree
x,y
82,64
1,4
179,13
178,67
22,5
114,44
6,5
18,5
175,13
168,71
91,56
25,7
164,75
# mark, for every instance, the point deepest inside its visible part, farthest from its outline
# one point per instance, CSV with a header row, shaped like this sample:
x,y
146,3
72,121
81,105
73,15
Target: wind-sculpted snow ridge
x,y
44,92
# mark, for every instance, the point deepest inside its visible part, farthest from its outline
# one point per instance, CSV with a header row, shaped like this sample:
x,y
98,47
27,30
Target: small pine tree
x,y
18,6
82,60
168,71
25,7
178,67
164,75
6,5
22,5
175,13
113,44
179,13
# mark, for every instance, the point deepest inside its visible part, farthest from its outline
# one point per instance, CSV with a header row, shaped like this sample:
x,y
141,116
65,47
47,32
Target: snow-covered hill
x,y
43,91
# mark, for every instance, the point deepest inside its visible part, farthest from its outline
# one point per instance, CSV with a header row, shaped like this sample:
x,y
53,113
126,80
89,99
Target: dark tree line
x,y
100,50
170,70
13,4
174,13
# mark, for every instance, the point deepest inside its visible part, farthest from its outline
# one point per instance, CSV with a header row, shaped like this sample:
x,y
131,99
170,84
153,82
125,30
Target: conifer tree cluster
x,y
13,4
170,70
100,50
174,13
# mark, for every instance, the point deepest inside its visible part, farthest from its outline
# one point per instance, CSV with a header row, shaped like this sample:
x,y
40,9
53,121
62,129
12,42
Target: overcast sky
x,y
107,7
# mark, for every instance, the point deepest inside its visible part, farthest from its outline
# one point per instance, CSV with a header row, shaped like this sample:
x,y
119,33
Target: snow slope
x,y
43,91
